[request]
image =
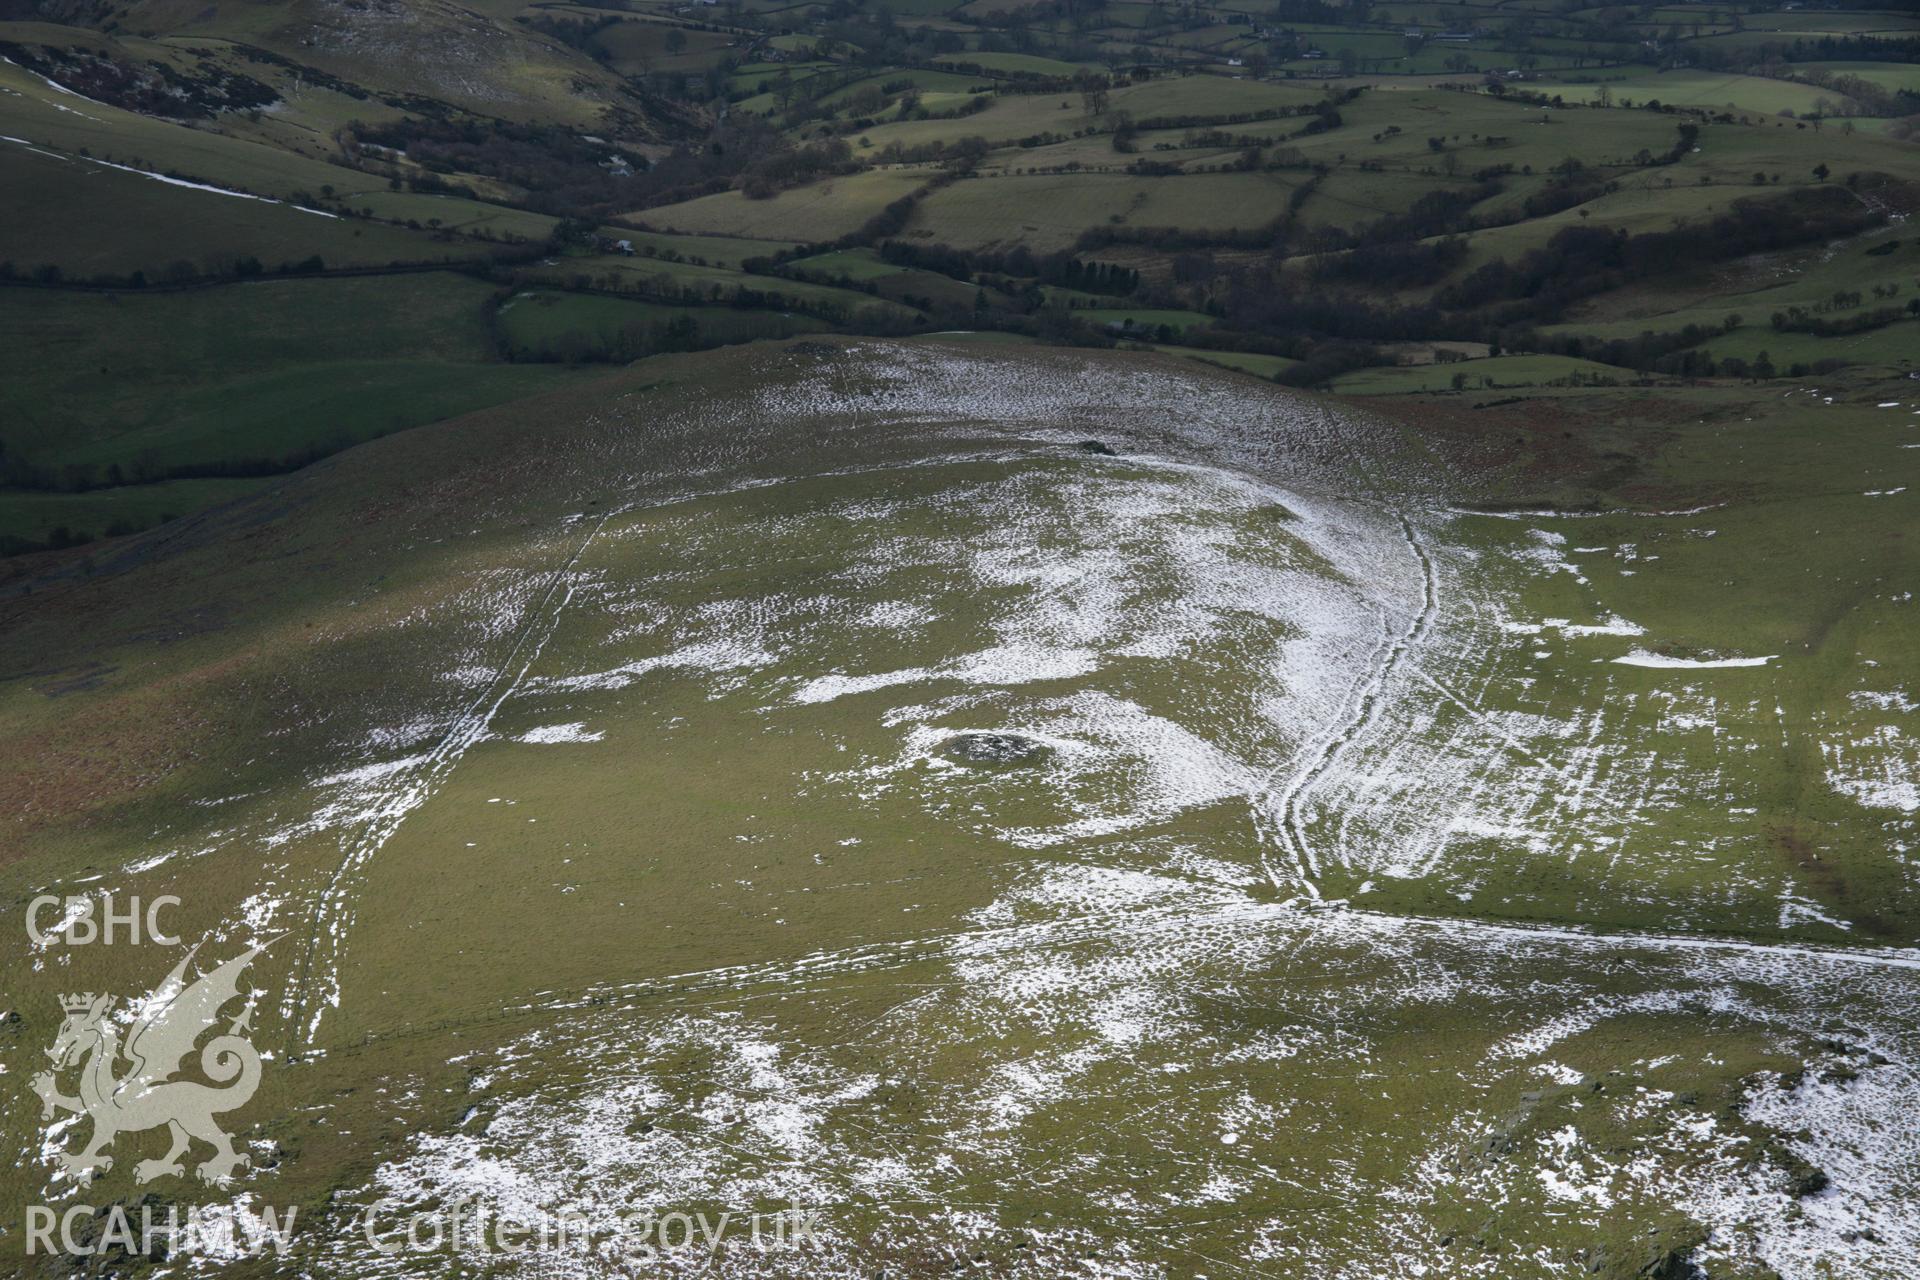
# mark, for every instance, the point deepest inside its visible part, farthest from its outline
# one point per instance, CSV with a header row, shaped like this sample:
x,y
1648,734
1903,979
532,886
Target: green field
x,y
664,280
822,211
1496,373
152,382
89,220
1050,211
52,120
1260,366
557,326
725,251
39,518
854,264
1696,89
1892,77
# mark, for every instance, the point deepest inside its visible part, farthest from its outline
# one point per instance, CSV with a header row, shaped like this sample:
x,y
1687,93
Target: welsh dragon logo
x,y
165,1028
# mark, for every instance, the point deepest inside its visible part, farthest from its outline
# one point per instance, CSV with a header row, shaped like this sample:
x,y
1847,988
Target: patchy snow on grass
x,y
1235,683
1641,658
707,657
574,731
1878,766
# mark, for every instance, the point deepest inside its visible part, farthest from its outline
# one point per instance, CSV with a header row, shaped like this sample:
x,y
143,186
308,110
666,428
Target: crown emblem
x,y
77,1004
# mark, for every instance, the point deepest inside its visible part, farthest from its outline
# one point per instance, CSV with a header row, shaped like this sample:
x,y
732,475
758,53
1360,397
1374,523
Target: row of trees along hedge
x,y
1059,268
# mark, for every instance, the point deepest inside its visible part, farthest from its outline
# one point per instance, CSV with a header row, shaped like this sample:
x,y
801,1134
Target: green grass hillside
x,y
689,668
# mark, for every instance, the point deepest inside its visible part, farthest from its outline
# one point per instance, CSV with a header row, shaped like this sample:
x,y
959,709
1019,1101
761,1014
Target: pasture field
x,y
725,251
1892,77
1495,373
1350,198
701,285
932,84
1208,96
864,267
1893,348
823,211
83,363
639,47
1695,89
289,412
1757,43
855,264
88,219
40,519
560,326
1007,119
1755,291
1050,211
261,376
1014,116
457,214
1838,22
33,110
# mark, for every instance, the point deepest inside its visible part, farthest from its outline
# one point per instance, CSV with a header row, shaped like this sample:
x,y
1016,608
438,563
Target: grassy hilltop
x,y
1409,874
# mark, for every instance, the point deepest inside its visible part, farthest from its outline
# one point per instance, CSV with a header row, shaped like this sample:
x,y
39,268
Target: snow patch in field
x,y
710,656
1547,553
1612,625
1641,658
75,909
575,731
830,688
257,913
999,666
1862,1224
368,773
161,177
693,1110
1894,700
898,615
1877,765
1795,909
